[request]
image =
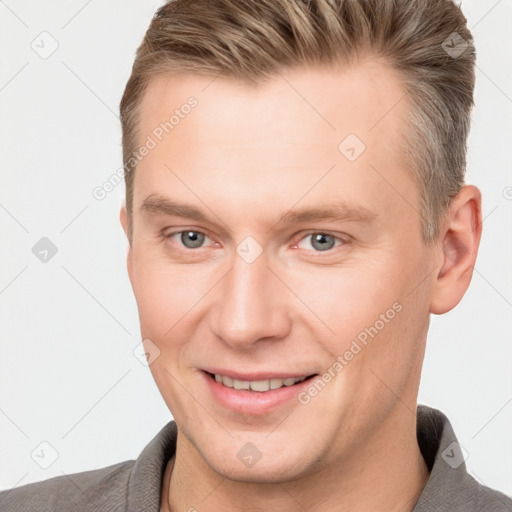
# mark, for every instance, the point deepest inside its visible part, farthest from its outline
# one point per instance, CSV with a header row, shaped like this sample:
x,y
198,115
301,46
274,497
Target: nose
x,y
250,305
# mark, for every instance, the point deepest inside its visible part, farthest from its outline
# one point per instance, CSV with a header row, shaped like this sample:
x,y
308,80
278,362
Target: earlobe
x,y
458,245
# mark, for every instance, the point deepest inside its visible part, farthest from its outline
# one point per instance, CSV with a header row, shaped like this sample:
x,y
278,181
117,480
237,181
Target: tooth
x,y
260,385
240,384
227,381
257,385
276,383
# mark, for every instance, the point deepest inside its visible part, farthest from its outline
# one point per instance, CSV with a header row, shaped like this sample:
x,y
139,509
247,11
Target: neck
x,y
386,472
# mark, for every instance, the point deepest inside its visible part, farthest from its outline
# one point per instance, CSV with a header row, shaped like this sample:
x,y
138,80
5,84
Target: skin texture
x,y
246,157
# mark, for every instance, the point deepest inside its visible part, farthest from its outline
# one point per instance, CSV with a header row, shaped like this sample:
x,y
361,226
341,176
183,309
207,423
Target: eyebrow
x,y
337,212
340,211
157,205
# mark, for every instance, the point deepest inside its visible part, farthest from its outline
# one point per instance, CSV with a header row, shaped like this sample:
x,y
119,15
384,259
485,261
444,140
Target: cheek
x,y
347,299
165,295
167,298
376,304
379,325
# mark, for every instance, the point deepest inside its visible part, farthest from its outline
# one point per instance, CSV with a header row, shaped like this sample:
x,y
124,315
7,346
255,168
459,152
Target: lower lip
x,y
253,402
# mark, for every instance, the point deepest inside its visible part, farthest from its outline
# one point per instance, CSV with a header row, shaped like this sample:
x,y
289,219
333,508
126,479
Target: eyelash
x,y
338,240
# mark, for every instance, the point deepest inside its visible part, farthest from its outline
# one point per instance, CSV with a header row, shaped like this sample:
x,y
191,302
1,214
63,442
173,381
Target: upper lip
x,y
260,375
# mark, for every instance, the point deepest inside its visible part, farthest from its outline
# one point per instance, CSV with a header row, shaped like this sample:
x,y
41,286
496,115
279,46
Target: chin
x,y
264,474
273,467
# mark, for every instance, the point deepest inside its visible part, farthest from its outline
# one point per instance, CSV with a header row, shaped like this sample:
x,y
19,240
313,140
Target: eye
x,y
319,242
189,239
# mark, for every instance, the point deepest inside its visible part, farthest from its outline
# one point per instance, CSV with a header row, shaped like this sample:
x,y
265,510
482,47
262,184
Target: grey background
x,y
69,326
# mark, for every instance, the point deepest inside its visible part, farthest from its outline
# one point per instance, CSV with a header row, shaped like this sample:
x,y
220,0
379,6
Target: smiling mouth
x,y
260,386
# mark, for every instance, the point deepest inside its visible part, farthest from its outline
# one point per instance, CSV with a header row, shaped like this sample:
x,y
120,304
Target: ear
x,y
123,217
457,249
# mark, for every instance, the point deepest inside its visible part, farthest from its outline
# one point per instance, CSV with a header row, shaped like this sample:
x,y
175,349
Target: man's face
x,y
280,254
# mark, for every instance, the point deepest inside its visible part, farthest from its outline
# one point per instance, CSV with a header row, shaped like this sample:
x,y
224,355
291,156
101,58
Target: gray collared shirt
x,y
136,485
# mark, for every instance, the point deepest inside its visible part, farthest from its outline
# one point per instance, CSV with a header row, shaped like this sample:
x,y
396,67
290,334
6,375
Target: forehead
x,y
283,134
358,96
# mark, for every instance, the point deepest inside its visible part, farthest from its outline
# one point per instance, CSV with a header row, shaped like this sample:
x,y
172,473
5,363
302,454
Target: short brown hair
x,y
426,41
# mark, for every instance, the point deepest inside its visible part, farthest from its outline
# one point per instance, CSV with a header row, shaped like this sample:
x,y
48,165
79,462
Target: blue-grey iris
x,y
322,242
192,239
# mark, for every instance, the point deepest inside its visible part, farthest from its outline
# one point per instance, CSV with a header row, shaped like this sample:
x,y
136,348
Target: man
x,y
295,211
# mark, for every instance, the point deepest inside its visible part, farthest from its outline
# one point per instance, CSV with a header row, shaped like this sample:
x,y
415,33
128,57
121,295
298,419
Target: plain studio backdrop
x,y
74,396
